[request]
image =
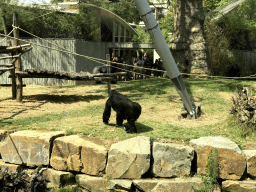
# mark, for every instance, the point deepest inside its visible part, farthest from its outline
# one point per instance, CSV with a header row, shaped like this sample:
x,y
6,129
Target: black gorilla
x,y
125,109
103,69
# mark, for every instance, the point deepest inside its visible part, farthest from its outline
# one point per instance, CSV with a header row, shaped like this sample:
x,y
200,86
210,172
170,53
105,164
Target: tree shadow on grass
x,y
62,98
152,86
42,99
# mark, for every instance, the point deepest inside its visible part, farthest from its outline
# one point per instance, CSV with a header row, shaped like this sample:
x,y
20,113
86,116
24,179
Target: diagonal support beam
x,y
165,53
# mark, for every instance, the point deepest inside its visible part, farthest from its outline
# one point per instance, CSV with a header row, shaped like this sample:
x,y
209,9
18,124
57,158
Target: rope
x,y
70,52
6,37
102,60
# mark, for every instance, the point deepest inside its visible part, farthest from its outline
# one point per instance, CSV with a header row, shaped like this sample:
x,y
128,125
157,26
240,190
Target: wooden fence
x,y
246,60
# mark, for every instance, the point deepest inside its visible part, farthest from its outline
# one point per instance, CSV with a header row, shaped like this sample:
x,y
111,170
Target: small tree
x,y
220,56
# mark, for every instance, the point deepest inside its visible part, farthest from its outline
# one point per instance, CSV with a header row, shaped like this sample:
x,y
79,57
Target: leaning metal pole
x,y
164,52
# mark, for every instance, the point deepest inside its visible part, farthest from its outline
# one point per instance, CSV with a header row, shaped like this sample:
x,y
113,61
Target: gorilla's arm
x,y
107,111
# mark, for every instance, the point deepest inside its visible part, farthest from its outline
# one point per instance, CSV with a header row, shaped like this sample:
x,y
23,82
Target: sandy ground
x,y
39,100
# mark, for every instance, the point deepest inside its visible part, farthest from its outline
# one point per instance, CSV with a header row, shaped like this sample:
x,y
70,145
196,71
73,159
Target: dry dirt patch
x,y
40,100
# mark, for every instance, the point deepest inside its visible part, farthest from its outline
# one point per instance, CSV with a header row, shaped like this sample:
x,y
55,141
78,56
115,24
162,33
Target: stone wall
x,y
135,164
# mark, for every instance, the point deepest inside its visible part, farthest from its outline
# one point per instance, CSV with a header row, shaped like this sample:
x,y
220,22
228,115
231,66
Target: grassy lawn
x,y
160,118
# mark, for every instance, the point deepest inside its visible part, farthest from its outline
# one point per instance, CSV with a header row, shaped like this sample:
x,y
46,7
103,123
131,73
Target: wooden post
x,y
18,62
108,63
108,71
109,87
5,31
13,70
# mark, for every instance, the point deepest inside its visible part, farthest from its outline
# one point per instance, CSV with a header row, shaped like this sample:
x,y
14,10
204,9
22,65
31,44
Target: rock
x,y
73,153
119,185
12,168
29,147
167,185
3,135
58,178
231,161
129,158
216,142
239,186
146,184
172,160
92,184
251,162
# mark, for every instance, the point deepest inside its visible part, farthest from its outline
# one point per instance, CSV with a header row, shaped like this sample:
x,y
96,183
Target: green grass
x,y
156,96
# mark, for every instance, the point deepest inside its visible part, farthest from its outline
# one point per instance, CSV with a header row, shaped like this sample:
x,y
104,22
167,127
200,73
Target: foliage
x,y
118,7
233,31
142,37
51,24
210,5
22,181
220,56
210,180
239,25
126,9
166,24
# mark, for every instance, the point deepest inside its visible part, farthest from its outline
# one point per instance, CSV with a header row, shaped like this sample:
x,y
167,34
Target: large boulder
x,y
74,153
231,160
172,160
11,168
129,158
239,186
58,178
29,147
168,185
251,162
119,185
91,183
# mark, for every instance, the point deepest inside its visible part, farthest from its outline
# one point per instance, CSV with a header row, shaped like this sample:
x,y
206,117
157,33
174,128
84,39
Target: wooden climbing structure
x,y
14,65
14,56
14,53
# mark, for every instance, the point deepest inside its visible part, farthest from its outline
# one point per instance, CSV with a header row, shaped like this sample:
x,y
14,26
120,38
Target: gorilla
x,y
125,109
103,69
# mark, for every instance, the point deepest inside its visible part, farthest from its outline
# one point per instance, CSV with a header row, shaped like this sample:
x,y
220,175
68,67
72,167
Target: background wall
x,y
56,60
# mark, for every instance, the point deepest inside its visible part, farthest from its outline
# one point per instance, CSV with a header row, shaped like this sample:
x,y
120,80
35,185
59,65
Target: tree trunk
x,y
188,40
